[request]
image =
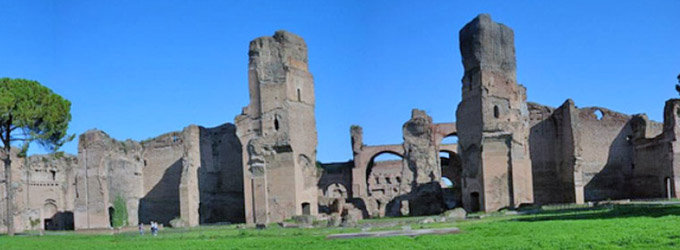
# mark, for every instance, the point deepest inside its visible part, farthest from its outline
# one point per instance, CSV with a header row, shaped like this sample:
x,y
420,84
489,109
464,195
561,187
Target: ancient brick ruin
x,y
278,131
263,169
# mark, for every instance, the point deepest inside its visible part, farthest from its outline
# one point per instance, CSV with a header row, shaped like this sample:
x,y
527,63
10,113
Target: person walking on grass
x,y
141,228
154,228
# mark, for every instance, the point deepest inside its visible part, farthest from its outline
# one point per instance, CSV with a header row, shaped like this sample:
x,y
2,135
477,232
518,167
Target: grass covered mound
x,y
608,227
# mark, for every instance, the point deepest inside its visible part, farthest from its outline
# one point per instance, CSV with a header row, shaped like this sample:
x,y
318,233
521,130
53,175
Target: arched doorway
x,y
49,212
383,180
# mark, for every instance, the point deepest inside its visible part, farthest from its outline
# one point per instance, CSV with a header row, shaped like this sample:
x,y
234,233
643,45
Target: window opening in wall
x,y
54,174
299,96
496,112
276,124
599,114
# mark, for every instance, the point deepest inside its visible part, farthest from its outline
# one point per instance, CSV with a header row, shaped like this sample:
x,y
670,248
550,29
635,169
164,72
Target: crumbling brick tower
x,y
492,120
278,131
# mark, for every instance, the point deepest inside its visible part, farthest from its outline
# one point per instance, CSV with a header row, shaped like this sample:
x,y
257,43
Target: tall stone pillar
x,y
421,156
278,131
189,195
492,120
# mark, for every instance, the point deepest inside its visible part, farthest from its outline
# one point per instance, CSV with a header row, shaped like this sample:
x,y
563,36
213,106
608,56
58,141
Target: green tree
x,y
29,112
677,86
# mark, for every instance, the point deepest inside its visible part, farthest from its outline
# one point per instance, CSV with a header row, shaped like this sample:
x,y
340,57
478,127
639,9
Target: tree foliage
x,y
677,85
31,112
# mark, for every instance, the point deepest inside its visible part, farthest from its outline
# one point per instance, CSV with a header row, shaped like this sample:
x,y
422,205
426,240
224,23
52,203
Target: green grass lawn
x,y
620,227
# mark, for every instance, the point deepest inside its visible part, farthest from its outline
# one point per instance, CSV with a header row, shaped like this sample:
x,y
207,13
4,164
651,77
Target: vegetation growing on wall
x,y
120,214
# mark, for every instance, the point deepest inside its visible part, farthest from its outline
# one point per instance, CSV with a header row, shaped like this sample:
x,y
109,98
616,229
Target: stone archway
x,y
49,211
384,180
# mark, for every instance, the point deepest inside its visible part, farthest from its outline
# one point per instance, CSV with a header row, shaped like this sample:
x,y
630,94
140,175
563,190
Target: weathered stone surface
x,y
334,220
193,174
304,220
44,195
422,154
278,131
426,199
492,120
350,220
455,214
108,169
510,153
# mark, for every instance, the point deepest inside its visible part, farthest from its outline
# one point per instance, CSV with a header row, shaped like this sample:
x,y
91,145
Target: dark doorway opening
x,y
306,209
111,212
474,202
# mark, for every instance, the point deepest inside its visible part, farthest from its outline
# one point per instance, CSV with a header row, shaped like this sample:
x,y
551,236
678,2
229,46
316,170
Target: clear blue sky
x,y
137,69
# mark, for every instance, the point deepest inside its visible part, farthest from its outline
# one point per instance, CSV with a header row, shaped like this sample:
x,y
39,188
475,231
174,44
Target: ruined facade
x,y
492,120
278,131
264,169
193,175
44,192
512,152
411,186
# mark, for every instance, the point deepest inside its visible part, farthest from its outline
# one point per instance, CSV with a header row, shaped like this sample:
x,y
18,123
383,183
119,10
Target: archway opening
x,y
450,139
49,211
383,163
383,181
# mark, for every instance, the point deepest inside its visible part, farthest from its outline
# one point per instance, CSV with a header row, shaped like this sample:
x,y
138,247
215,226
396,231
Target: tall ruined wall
x,y
221,175
44,192
604,154
278,131
492,120
671,129
335,182
421,151
653,161
107,169
655,168
162,174
412,186
50,190
551,143
421,156
193,174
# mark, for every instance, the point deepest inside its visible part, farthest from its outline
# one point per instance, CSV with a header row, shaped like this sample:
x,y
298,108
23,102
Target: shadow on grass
x,y
605,212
